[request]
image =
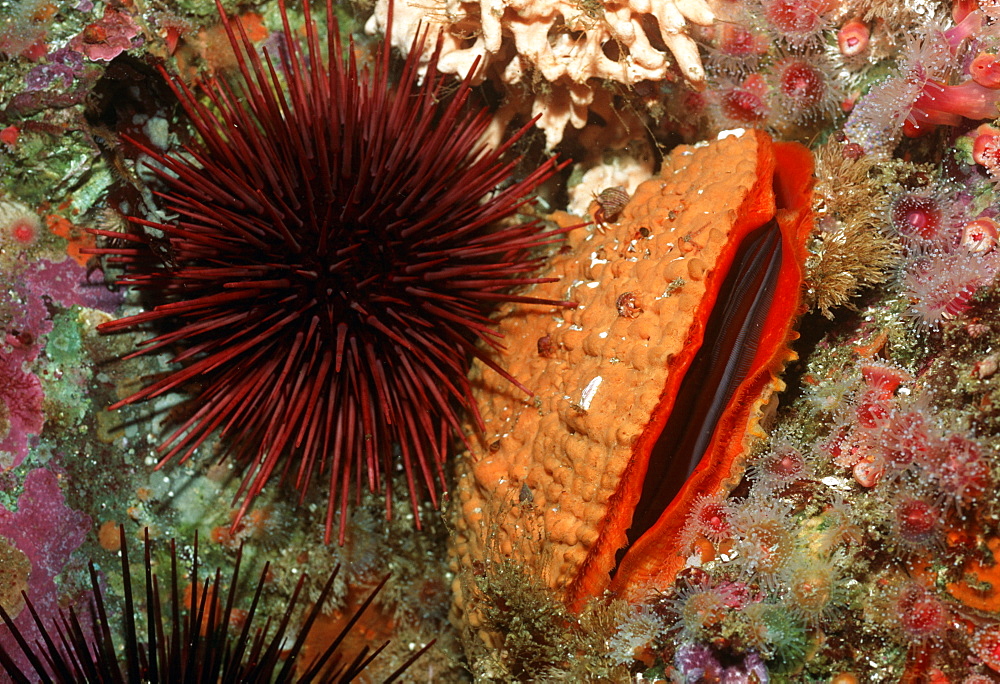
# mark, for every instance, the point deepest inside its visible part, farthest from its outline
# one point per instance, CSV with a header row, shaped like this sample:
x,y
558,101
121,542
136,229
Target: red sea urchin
x,y
331,265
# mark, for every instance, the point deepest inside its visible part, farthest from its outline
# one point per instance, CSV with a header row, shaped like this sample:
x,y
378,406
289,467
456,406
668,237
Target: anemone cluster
x,y
864,517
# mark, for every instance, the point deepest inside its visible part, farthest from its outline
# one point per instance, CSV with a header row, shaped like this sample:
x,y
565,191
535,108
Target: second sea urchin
x,y
211,639
331,264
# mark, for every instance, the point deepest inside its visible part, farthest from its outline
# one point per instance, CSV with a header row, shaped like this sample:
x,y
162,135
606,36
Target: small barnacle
x,y
546,347
628,305
610,203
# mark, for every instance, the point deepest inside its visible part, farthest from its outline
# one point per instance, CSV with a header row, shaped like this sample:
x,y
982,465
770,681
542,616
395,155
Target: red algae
x,y
21,396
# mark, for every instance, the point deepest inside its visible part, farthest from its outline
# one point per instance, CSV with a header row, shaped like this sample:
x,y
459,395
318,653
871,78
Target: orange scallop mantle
x,y
552,480
788,169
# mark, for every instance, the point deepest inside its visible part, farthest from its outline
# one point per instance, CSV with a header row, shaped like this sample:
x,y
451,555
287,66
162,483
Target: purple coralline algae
x,y
68,284
697,663
60,69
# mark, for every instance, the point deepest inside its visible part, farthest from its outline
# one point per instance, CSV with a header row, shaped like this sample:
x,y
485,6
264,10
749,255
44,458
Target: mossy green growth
x,y
93,190
533,635
14,485
204,11
516,605
963,149
64,342
65,375
41,168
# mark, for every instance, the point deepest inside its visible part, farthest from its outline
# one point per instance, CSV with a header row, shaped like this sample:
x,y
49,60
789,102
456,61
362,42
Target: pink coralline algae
x,y
69,284
64,283
20,403
59,70
106,39
698,663
47,531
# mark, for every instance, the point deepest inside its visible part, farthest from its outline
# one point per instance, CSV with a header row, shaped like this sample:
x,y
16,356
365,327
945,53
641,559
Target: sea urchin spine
x,y
331,266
